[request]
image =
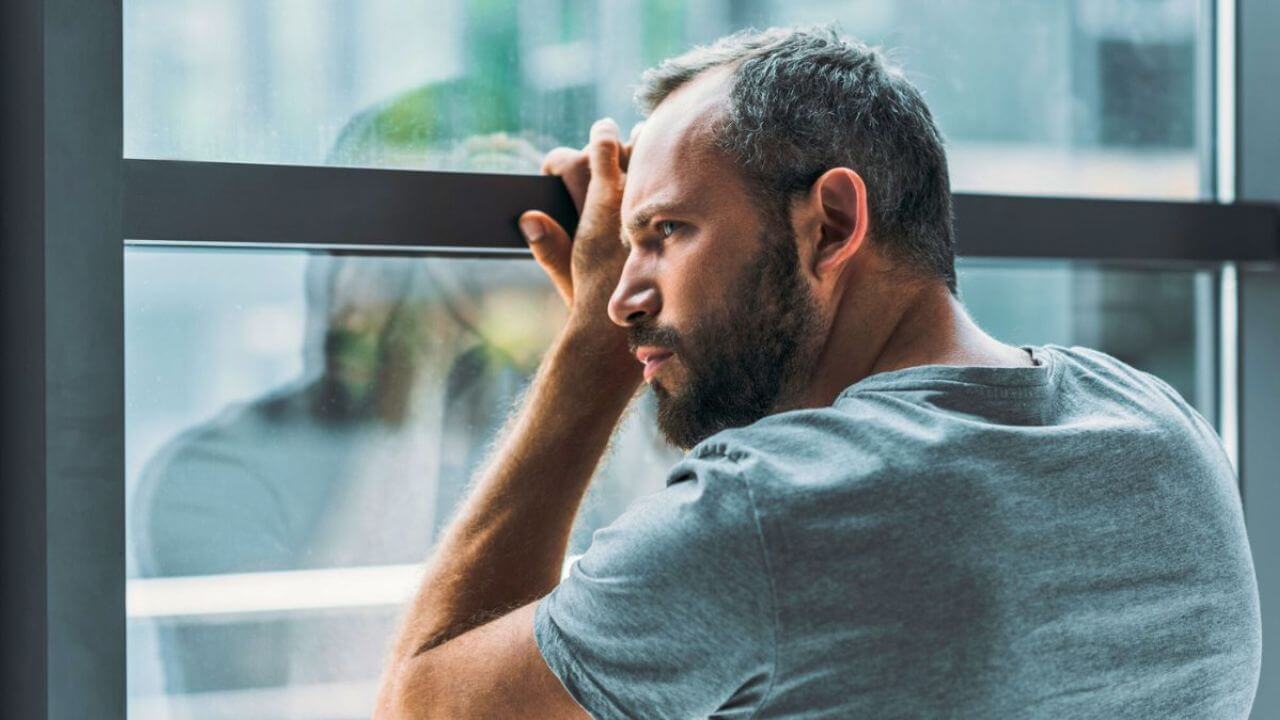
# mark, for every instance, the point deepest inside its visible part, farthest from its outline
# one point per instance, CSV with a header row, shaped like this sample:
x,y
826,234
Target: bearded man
x,y
882,511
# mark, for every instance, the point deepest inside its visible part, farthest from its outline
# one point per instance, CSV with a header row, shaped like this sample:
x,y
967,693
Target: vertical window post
x,y
61,361
1256,151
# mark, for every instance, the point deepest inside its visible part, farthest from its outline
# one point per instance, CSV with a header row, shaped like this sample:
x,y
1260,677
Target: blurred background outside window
x,y
1083,97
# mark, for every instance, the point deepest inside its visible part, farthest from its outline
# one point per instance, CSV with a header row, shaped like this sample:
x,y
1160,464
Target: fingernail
x,y
532,229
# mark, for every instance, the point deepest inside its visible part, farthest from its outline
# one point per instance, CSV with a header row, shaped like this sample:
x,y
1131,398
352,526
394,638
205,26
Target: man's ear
x,y
839,200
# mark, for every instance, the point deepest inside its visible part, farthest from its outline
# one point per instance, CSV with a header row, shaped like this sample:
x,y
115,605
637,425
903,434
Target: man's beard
x,y
745,363
340,398
338,402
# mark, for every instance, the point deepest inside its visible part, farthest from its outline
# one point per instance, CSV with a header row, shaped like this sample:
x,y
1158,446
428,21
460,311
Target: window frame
x,y
1254,106
62,444
69,201
178,202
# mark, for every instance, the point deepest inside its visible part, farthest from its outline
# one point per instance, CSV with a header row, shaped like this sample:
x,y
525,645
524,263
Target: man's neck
x,y
922,325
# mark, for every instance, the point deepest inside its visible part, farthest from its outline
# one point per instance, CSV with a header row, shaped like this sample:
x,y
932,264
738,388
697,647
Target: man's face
x,y
712,292
352,352
353,348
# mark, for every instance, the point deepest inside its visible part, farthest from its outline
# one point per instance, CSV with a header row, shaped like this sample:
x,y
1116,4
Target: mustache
x,y
655,335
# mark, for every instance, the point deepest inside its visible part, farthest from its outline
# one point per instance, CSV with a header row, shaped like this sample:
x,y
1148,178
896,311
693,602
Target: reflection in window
x,y
301,426
1087,97
313,424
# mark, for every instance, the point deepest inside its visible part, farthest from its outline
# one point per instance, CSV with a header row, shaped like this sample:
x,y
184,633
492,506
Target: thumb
x,y
552,248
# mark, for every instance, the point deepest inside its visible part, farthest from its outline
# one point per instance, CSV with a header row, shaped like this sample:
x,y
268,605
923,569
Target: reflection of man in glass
x,y
410,366
382,430
266,469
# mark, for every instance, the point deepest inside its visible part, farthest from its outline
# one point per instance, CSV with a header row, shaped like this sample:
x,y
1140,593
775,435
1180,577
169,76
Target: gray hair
x,y
803,101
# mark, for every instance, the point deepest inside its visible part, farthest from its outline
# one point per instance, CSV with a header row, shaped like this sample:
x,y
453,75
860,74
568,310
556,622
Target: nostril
x,y
635,316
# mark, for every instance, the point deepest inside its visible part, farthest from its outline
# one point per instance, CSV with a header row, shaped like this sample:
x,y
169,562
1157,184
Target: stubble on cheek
x,y
739,364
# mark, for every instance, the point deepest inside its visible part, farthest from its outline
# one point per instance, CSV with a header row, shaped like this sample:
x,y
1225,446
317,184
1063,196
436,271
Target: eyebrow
x,y
642,217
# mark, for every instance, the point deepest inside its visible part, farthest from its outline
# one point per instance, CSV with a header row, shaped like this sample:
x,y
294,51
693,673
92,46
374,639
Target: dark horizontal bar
x,y
389,210
301,205
1098,229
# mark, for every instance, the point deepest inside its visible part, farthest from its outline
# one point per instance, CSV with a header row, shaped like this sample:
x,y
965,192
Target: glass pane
x,y
1087,97
299,427
1163,321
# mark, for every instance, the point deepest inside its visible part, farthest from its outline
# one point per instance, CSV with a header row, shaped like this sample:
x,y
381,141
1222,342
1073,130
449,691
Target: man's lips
x,y
652,358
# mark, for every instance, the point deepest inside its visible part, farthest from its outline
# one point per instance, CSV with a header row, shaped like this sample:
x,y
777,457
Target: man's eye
x,y
667,227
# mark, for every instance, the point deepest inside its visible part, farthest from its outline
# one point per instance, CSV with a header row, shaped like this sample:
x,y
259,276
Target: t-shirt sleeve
x,y
670,611
202,509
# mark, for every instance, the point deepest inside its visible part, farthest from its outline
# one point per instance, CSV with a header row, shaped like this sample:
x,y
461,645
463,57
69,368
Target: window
x,y
301,422
1090,98
302,425
247,126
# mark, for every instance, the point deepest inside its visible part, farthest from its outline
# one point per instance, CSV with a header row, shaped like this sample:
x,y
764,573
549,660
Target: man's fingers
x,y
630,145
552,248
604,152
604,157
570,165
558,159
624,158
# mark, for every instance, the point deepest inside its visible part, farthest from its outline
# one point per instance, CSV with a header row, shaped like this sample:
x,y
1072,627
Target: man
x,y
883,512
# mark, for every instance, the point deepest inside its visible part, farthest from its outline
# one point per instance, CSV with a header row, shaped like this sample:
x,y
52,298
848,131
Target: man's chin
x,y
684,420
677,423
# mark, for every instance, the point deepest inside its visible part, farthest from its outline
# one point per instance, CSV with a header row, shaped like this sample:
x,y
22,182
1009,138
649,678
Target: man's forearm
x,y
506,546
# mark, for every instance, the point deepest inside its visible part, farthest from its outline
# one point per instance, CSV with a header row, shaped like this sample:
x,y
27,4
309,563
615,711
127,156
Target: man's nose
x,y
634,300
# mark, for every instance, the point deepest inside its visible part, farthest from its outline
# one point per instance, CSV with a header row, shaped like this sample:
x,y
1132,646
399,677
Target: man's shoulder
x,y
1099,367
1097,379
799,446
798,433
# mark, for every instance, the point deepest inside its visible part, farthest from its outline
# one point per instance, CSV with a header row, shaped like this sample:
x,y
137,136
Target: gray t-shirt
x,y
1056,541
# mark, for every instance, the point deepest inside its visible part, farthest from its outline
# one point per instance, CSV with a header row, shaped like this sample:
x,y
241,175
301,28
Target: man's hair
x,y
803,101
